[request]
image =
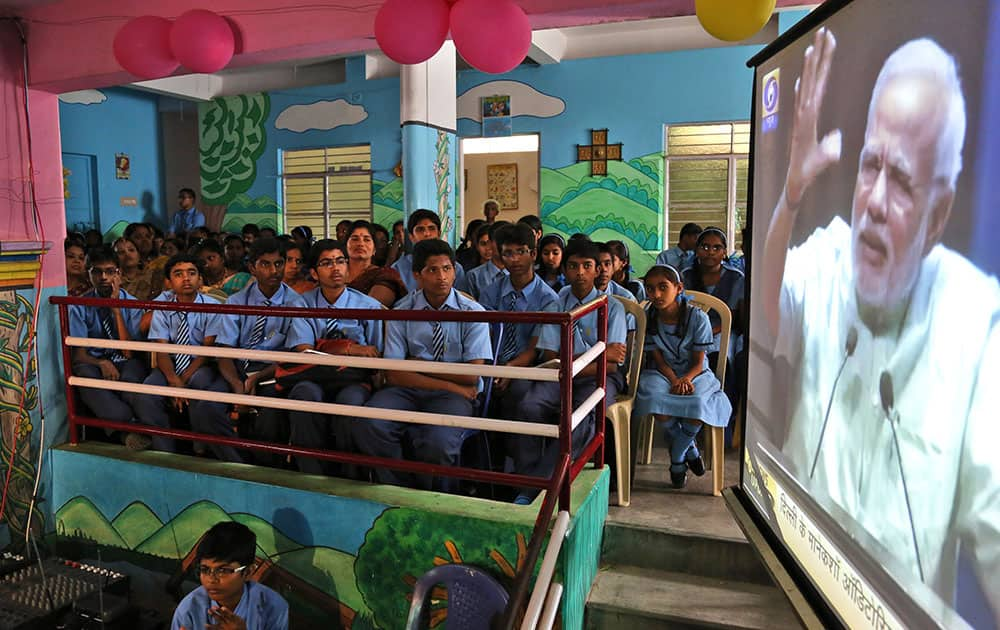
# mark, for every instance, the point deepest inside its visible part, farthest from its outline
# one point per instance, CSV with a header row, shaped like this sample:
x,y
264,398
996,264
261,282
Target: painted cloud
x,y
524,100
84,97
322,115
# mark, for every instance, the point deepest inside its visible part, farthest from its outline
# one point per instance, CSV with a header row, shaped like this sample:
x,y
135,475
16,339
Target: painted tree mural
x,y
413,542
232,137
18,398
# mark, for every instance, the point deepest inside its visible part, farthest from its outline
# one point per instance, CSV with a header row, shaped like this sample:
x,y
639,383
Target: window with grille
x,y
322,187
706,178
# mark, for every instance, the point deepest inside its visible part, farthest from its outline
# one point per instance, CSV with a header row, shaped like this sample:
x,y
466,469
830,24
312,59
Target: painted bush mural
x,y
369,589
232,136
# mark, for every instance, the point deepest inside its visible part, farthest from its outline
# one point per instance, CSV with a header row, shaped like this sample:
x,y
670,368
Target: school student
x,y
676,384
227,597
452,342
187,371
263,332
108,323
682,255
492,270
535,401
328,261
422,225
549,263
520,291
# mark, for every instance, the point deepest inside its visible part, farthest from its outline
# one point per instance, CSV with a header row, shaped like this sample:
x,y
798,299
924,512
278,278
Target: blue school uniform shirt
x,y
482,277
614,288
85,321
676,258
585,334
187,220
405,268
280,333
676,344
367,332
260,608
535,296
463,341
200,325
729,289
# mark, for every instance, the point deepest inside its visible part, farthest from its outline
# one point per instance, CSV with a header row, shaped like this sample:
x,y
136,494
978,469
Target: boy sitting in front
x,y
451,394
227,598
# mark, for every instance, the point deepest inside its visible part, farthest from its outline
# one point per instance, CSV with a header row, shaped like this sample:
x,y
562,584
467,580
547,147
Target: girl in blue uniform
x,y
676,385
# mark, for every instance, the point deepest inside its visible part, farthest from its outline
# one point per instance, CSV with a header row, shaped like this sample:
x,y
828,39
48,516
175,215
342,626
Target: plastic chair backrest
x,y
475,599
708,302
634,360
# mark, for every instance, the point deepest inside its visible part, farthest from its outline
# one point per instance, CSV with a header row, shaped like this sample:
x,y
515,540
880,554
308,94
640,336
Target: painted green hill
x,y
269,539
323,568
80,518
115,231
179,536
136,523
386,215
554,182
619,170
391,193
584,213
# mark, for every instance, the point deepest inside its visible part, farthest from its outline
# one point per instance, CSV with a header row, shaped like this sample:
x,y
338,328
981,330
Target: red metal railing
x,y
565,320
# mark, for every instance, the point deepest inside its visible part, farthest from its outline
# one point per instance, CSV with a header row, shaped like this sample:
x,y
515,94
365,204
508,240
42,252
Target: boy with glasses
x,y
108,323
227,597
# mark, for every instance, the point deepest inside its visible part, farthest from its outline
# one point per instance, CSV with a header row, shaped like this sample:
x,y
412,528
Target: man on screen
x,y
886,328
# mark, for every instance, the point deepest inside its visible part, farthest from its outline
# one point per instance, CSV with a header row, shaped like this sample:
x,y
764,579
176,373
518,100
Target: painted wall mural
x,y
366,589
18,405
387,201
321,116
445,146
524,100
232,136
625,204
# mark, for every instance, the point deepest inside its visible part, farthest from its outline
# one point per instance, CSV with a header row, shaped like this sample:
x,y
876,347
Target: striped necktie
x,y
509,349
332,330
437,338
256,333
110,330
182,361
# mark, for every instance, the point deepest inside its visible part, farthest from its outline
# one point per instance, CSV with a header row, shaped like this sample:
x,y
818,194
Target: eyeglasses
x,y
329,262
220,572
705,247
515,253
267,264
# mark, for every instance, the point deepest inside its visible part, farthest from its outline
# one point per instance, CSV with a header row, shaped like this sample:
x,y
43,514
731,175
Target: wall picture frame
x,y
501,184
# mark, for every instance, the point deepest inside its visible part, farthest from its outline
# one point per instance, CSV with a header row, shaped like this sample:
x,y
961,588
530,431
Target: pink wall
x,y
16,214
71,40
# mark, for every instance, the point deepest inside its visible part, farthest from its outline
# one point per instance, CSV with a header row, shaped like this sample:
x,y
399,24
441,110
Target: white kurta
x,y
945,378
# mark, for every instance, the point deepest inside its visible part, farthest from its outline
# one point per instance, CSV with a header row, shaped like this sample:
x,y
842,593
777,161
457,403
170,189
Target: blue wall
x,y
126,122
632,96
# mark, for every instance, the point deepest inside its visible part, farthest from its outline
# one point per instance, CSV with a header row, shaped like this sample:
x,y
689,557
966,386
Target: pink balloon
x,y
492,35
142,47
202,41
411,31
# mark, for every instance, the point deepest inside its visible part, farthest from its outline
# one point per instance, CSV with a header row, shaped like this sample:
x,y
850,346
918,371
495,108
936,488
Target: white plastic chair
x,y
619,413
715,440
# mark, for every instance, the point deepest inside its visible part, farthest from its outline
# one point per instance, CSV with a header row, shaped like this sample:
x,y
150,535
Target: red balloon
x,y
202,41
142,47
411,31
492,35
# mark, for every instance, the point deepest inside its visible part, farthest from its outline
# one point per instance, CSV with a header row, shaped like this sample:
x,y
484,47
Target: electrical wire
x,y
32,355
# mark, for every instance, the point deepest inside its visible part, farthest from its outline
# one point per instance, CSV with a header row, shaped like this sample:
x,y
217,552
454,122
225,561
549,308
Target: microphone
x,y
849,347
886,394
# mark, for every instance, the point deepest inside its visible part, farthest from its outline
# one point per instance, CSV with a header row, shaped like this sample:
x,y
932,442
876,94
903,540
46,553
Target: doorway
x,y
505,169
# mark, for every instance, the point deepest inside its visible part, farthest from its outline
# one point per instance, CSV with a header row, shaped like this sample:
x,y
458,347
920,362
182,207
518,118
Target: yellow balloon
x,y
733,20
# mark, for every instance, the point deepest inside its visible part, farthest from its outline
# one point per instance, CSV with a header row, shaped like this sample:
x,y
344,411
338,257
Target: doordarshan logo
x,y
770,97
